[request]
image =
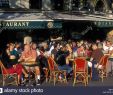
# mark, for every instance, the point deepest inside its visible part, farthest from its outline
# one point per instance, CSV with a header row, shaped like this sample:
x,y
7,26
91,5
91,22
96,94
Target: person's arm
x,y
34,56
22,57
5,59
91,59
52,55
110,52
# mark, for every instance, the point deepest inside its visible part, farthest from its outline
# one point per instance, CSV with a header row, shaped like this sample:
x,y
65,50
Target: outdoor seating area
x,y
81,62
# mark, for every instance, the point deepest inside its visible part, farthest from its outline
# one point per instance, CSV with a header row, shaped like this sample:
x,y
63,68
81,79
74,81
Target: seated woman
x,y
10,61
29,56
42,60
81,51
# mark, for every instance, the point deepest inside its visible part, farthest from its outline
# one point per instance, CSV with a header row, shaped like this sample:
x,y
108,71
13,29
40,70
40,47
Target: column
x,y
14,3
46,5
24,4
19,3
67,5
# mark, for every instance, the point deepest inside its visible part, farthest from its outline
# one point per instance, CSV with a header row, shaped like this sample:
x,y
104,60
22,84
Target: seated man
x,y
95,58
62,55
10,61
29,56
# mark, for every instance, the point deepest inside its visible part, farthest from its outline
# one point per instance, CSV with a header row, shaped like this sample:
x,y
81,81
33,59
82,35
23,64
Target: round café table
x,y
29,64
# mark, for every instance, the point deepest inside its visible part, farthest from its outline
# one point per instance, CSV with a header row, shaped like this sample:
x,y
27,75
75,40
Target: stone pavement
x,y
107,82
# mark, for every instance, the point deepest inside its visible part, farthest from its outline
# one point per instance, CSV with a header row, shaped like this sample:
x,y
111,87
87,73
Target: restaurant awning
x,y
105,24
27,21
48,20
95,20
30,24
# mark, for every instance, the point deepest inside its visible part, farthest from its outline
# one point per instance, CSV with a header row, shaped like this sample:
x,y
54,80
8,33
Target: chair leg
x,y
46,72
85,81
54,78
102,76
87,78
50,77
74,80
91,74
3,81
16,80
46,79
65,77
65,80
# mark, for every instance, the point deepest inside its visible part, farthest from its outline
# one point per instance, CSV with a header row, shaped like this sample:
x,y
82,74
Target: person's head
x,y
34,46
100,45
68,47
87,47
64,48
82,47
108,43
78,44
42,49
11,46
27,48
45,45
97,41
74,44
55,46
94,46
17,45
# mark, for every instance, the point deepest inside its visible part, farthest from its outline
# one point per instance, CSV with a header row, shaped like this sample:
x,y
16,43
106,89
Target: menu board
x,y
4,3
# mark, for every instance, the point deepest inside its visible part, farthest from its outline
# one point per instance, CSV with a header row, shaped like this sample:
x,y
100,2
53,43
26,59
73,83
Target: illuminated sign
x,y
15,24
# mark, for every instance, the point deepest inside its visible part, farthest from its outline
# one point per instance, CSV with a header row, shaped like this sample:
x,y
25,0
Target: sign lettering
x,y
15,24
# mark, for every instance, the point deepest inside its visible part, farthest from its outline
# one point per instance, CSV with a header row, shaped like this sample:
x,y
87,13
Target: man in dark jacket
x,y
95,58
61,60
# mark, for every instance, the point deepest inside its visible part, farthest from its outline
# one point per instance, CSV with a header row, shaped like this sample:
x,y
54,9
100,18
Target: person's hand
x,y
14,66
8,52
44,68
28,59
12,57
96,65
20,60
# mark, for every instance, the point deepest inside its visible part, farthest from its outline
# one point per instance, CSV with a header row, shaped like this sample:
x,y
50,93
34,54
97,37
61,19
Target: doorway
x,y
35,4
58,4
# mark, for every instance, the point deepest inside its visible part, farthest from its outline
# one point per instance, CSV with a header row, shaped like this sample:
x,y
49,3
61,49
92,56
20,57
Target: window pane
x,y
4,3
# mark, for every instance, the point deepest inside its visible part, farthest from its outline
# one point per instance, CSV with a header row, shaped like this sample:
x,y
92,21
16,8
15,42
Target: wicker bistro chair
x,y
55,73
80,70
7,76
46,72
102,70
